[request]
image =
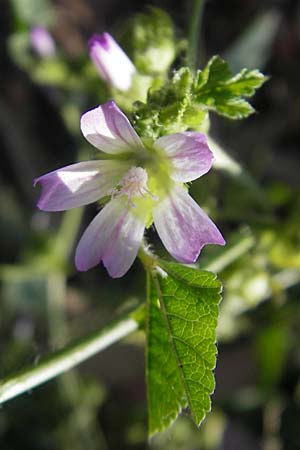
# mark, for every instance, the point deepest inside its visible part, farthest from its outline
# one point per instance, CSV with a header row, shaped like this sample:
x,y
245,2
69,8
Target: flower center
x,y
133,184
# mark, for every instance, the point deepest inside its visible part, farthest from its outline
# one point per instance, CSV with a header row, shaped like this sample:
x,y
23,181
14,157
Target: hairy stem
x,y
63,360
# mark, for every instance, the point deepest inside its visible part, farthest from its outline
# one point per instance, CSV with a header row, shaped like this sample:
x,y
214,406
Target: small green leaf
x,y
181,352
221,92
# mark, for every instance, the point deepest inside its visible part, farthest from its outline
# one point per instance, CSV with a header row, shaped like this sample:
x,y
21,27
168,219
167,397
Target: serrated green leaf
x,y
221,92
216,71
165,392
183,102
245,83
234,109
181,352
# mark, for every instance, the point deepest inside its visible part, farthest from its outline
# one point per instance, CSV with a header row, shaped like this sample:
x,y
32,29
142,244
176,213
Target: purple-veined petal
x,y
183,226
109,130
78,184
111,61
114,237
189,153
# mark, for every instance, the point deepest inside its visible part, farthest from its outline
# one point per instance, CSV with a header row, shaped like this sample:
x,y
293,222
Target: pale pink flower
x,y
42,42
145,183
111,61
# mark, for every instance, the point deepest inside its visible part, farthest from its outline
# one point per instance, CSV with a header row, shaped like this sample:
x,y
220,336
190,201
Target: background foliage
x,y
44,303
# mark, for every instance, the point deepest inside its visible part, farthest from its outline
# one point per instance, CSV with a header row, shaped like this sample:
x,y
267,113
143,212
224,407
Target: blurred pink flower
x,y
111,61
42,42
145,183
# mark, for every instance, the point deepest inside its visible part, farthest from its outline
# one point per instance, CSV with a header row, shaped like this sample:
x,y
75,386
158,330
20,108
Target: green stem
x,y
193,32
67,358
58,331
148,259
225,163
287,278
68,231
230,254
69,384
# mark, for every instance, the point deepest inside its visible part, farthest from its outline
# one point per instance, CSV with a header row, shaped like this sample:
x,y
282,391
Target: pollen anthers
x,y
133,184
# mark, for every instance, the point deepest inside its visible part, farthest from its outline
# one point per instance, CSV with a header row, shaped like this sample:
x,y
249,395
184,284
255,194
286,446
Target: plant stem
x,y
68,231
225,163
148,259
193,32
67,358
231,254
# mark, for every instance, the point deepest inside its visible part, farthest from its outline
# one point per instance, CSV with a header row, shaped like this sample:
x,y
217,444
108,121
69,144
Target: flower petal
x,y
78,184
183,226
189,154
112,63
109,130
114,237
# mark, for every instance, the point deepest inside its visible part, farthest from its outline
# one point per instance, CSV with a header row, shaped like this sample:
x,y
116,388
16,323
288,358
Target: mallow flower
x,y
142,182
42,42
112,63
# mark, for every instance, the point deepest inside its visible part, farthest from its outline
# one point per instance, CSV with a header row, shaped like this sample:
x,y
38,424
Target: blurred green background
x,y
45,303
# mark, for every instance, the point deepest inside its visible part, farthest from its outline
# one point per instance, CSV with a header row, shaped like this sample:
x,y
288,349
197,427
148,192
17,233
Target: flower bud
x,y
151,39
112,63
42,42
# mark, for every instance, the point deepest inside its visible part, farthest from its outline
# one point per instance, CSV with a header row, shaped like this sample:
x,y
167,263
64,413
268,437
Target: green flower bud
x,y
149,39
